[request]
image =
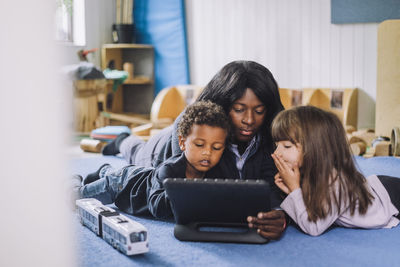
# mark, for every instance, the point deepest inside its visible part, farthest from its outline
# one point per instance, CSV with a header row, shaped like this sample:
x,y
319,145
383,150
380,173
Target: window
x,y
64,20
138,237
122,239
70,22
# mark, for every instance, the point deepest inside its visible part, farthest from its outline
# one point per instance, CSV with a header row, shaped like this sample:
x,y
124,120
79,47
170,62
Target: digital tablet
x,y
220,203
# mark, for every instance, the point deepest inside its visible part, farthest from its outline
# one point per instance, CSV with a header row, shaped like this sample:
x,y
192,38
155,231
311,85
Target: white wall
x,y
293,38
36,223
99,17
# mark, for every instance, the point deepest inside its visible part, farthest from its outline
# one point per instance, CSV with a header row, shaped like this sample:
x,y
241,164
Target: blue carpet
x,y
337,247
379,165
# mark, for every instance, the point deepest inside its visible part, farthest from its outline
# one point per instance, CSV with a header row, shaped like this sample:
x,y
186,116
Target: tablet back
x,y
216,200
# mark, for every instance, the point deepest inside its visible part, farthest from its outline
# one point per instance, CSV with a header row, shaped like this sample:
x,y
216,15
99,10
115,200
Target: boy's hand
x,y
269,224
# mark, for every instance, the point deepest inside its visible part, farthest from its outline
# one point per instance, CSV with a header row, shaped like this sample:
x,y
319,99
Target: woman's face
x,y
247,115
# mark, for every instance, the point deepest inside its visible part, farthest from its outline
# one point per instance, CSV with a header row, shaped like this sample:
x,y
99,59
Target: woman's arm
x,y
270,225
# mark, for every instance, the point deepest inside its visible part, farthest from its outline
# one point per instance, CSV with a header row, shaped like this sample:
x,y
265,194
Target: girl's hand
x,y
290,175
281,184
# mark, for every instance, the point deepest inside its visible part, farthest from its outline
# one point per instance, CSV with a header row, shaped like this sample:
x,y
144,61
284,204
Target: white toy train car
x,y
121,232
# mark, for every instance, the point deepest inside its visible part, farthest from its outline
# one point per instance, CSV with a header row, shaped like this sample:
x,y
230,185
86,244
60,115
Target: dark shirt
x,y
157,200
259,165
144,192
174,167
134,197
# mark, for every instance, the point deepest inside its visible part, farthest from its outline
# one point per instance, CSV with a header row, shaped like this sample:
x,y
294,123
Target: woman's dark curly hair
x,y
203,113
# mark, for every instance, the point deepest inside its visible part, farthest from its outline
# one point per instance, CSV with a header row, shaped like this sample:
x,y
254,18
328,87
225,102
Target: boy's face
x,y
203,148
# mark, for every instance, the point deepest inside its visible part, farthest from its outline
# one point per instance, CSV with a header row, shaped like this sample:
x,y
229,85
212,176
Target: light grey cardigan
x,y
380,213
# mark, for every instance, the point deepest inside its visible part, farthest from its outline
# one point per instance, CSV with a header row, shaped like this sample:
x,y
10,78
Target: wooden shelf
x,y
136,94
133,81
114,46
138,81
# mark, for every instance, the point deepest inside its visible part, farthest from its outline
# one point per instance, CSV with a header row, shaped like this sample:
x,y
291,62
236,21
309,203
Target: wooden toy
x,y
128,67
364,135
361,141
91,145
382,148
358,148
395,141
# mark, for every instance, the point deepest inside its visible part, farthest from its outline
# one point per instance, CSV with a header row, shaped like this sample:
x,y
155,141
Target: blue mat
x,y
337,247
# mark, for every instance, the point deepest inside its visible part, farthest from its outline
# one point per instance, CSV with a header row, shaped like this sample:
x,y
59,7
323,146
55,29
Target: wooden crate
x,y
87,96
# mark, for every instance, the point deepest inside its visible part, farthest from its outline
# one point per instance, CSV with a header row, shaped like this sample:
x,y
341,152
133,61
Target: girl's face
x,y
247,115
290,153
203,148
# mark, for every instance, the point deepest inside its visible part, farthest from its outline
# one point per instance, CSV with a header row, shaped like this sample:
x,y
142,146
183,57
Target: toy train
x,y
122,233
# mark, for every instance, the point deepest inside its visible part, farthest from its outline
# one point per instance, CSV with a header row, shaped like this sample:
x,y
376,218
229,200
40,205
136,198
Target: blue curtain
x,y
161,23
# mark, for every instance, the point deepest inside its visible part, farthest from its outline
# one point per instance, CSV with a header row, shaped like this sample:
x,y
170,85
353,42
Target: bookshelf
x,y
136,94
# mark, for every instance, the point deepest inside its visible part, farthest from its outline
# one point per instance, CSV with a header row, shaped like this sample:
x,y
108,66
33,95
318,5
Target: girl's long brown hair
x,y
326,152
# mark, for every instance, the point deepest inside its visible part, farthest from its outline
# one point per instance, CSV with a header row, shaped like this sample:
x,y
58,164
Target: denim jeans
x,y
106,188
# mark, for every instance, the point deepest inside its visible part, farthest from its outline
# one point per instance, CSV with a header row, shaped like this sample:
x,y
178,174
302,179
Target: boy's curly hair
x,y
203,113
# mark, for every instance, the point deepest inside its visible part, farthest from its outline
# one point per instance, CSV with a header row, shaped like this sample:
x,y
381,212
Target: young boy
x,y
202,134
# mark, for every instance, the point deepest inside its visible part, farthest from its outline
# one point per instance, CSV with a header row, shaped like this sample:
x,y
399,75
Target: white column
x,y
35,224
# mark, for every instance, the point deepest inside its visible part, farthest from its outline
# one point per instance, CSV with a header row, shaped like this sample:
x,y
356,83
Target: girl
x,y
317,172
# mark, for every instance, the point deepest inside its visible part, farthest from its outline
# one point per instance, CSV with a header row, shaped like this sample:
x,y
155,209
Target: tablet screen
x,y
216,200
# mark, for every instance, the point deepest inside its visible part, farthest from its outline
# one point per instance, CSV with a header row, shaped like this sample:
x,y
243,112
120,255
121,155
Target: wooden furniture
x,y
388,78
136,94
342,102
86,99
166,107
168,104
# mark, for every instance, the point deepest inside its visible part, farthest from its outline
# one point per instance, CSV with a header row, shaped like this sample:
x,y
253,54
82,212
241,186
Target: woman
x,y
249,94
